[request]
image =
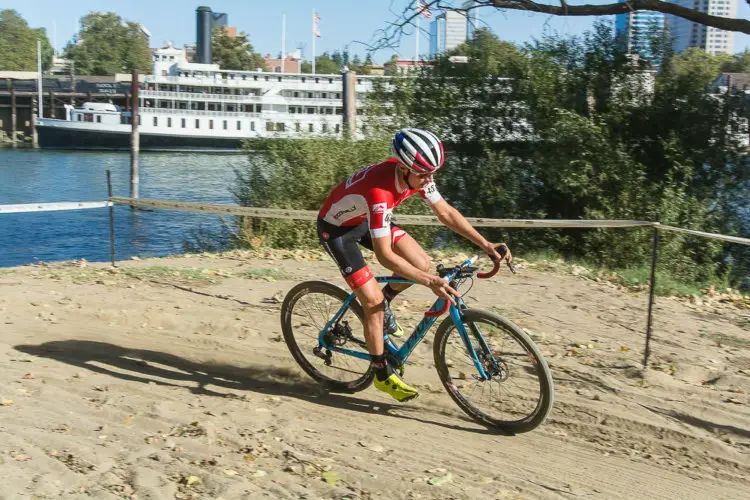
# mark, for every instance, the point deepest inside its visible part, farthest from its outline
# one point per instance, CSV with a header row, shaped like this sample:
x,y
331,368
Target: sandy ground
x,y
174,382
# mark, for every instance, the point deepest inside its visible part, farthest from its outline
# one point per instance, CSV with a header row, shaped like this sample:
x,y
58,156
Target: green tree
x,y
18,44
488,54
740,63
599,139
326,65
107,45
234,53
392,66
365,67
694,70
338,58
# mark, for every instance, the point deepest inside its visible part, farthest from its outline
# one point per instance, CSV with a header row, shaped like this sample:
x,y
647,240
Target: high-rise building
x,y
635,31
686,34
472,18
450,29
220,19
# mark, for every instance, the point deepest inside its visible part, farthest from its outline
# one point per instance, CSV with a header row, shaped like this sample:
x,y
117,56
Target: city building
x,y
403,66
146,33
687,34
450,29
292,63
190,50
737,81
60,66
221,20
635,30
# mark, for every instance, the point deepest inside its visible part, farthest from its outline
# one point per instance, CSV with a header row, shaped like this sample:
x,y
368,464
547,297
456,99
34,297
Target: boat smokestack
x,y
204,24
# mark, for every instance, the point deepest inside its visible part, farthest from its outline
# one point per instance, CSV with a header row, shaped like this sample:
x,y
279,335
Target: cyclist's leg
x,y
407,248
413,253
341,245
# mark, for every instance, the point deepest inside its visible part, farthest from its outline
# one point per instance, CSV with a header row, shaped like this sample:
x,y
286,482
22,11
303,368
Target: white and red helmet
x,y
421,151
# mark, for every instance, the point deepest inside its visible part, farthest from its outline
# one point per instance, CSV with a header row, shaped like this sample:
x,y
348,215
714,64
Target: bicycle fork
x,y
457,318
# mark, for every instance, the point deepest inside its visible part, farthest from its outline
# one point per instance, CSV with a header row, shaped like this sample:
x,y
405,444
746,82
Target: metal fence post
x,y
652,288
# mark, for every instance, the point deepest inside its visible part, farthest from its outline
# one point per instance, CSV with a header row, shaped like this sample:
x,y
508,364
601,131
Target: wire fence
x,y
417,220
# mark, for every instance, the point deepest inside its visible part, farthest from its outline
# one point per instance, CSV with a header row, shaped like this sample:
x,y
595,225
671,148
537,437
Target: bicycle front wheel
x,y
306,310
517,394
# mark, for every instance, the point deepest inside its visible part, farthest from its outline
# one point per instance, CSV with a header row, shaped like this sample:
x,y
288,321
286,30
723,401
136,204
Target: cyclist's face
x,y
419,180
416,181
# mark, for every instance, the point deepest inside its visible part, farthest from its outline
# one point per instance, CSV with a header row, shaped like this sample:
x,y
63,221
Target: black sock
x,y
390,293
381,366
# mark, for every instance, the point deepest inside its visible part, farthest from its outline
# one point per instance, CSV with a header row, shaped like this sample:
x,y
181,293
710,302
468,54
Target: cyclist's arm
x,y
453,219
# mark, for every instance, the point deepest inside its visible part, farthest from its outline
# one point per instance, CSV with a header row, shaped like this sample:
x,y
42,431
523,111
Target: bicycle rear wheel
x,y
519,393
306,310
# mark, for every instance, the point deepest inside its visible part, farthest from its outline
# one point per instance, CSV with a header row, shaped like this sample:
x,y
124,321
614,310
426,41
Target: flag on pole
x,y
424,9
316,22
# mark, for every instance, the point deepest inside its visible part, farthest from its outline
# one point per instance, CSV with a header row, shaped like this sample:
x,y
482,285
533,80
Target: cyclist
x,y
359,211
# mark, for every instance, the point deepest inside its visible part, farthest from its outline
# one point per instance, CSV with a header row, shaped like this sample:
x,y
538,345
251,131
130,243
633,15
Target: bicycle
x,y
341,363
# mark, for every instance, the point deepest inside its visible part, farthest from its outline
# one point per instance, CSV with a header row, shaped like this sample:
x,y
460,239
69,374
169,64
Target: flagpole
x,y
283,40
313,41
416,58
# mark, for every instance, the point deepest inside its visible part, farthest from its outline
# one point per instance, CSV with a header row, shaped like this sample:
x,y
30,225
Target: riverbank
x,y
169,378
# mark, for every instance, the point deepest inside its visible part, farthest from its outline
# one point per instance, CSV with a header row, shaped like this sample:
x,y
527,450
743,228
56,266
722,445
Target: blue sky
x,y
342,22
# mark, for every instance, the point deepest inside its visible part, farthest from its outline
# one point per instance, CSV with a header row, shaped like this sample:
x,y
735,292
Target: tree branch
x,y
724,23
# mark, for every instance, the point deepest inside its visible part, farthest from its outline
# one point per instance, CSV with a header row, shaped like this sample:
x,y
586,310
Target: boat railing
x,y
272,99
195,96
198,112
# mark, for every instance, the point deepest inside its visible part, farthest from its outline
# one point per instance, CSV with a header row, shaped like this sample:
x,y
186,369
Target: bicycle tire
x,y
293,298
546,386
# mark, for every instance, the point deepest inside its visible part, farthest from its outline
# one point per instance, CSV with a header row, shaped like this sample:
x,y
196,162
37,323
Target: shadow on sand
x,y
145,366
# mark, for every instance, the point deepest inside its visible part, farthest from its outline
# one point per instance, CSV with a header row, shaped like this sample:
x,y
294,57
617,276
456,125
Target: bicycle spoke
x,y
309,317
512,390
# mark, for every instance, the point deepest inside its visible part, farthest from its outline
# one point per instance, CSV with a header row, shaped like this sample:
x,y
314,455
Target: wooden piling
x,y
134,139
35,103
13,114
350,103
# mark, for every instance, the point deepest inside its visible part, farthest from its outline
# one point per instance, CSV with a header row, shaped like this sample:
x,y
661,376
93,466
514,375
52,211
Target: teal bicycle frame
x,y
402,353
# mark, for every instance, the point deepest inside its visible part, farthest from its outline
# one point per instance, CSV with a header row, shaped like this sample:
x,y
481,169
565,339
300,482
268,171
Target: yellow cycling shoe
x,y
397,388
390,325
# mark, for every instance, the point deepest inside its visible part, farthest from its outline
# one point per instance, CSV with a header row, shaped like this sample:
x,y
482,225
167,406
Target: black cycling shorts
x,y
342,244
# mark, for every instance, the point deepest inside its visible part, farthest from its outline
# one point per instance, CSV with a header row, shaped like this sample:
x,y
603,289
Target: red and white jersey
x,y
371,194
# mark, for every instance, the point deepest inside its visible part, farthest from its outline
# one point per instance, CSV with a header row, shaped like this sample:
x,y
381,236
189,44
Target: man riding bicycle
x,y
359,211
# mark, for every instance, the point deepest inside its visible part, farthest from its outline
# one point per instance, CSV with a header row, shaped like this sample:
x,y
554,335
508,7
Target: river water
x,y
28,176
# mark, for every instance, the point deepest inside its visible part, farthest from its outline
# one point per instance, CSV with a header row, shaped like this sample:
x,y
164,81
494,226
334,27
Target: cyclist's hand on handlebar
x,y
491,250
442,289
